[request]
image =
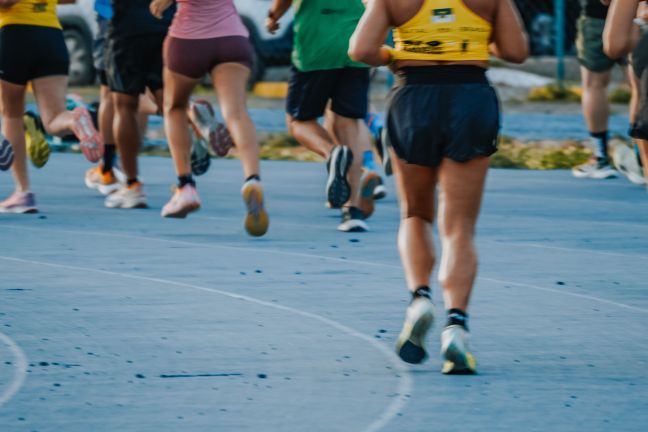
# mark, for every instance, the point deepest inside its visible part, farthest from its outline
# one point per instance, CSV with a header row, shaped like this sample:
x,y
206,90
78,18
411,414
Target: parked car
x,y
79,28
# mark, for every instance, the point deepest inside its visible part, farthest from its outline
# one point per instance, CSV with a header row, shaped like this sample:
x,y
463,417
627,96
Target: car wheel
x,y
258,70
543,34
81,68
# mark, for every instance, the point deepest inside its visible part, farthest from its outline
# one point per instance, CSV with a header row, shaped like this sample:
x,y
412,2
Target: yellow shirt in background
x,y
31,12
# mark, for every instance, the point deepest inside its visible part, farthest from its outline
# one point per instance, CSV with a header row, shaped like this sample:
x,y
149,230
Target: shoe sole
x,y
104,190
256,220
379,192
596,176
360,226
20,210
410,345
458,362
6,154
89,139
338,190
138,205
367,195
183,212
38,148
624,158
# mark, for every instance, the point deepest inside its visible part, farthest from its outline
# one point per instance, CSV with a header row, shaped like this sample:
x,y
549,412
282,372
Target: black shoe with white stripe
x,y
353,220
6,154
338,189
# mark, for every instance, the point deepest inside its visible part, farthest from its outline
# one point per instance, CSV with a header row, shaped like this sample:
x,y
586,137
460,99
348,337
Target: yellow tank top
x,y
443,30
31,12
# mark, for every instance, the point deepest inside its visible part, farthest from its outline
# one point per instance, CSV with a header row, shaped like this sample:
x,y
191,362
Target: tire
x,y
81,68
258,70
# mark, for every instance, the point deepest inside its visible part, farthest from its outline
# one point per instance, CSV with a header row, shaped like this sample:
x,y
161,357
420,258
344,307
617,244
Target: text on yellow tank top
x,y
443,30
31,12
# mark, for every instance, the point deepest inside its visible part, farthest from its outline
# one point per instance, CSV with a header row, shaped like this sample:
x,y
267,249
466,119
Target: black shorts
x,y
639,58
134,64
309,93
28,52
442,111
99,49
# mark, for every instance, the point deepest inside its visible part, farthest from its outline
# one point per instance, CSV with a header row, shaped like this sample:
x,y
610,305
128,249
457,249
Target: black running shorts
x,y
442,111
134,64
639,59
28,52
309,93
99,49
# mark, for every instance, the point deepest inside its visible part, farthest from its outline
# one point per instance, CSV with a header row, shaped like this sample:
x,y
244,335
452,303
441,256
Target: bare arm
x,y
619,31
277,10
157,7
510,42
366,44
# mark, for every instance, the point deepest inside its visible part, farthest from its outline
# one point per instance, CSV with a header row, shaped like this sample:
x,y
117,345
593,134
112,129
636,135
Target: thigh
x,y
461,186
50,96
309,92
416,186
351,93
177,89
230,83
13,99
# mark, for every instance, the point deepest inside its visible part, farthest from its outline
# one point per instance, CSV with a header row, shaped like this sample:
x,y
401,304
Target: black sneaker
x,y
338,189
353,220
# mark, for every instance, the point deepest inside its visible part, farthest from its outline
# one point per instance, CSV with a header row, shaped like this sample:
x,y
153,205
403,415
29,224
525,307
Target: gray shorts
x,y
99,49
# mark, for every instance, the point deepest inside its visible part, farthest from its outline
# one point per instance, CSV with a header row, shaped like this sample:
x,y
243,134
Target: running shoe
x,y
89,139
353,220
594,169
200,159
203,117
38,148
256,219
127,197
625,161
338,189
105,183
370,180
6,153
380,191
185,200
419,318
454,349
19,202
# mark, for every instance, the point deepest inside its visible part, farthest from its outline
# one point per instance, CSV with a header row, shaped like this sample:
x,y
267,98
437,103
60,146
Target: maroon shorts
x,y
196,57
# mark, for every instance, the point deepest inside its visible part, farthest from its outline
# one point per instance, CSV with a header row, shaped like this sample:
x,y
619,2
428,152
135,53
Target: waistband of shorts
x,y
451,74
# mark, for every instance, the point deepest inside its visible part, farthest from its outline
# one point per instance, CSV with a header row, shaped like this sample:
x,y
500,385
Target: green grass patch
x,y
539,155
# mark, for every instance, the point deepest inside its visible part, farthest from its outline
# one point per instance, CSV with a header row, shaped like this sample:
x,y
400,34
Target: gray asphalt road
x,y
117,320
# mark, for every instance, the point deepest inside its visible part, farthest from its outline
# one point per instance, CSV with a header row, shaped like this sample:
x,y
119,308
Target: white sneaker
x,y
454,349
625,160
127,197
419,318
353,220
595,169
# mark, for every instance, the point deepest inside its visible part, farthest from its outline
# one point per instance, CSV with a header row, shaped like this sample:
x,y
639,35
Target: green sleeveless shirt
x,y
322,32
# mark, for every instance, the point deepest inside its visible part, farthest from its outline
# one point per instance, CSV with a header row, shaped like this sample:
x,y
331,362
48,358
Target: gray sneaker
x,y
595,169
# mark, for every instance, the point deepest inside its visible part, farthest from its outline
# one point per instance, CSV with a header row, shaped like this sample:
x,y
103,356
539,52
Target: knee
x,y
126,104
417,211
235,114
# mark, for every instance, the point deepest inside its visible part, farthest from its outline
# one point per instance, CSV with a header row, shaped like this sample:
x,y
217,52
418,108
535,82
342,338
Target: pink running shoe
x,y
89,139
19,202
185,200
203,117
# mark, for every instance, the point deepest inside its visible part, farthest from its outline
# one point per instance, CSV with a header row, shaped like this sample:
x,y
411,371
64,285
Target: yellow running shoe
x,y
454,349
256,220
37,147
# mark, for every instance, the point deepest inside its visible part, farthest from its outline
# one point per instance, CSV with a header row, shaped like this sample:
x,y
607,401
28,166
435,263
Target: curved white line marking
x,y
405,383
325,258
20,365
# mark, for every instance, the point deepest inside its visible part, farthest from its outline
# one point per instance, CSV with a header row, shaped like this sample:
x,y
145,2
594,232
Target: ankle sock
x,y
457,317
601,144
422,291
253,177
368,160
132,181
108,158
184,180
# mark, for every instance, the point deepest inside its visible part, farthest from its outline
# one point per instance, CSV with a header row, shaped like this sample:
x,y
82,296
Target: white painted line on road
x,y
405,382
325,258
20,369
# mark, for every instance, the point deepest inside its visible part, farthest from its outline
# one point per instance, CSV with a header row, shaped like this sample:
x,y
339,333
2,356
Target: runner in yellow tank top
x,y
442,123
31,12
443,30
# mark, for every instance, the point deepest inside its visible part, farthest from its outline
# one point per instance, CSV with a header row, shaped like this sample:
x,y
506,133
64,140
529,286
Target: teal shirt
x,y
322,32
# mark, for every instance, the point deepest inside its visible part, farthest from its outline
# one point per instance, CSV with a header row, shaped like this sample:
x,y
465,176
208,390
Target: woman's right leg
x,y
230,82
13,107
177,91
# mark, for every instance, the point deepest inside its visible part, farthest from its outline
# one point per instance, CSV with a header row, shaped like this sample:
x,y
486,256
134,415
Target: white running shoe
x,y
454,349
625,160
419,318
127,197
353,220
594,169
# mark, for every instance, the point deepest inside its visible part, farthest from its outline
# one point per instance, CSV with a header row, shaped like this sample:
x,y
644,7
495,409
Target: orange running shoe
x,y
105,183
